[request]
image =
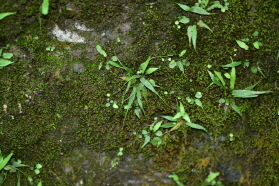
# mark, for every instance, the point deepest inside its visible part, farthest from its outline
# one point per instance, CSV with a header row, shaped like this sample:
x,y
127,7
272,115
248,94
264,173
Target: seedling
x,y
116,161
14,166
210,180
5,57
198,8
181,117
179,63
175,178
241,43
45,7
197,101
246,93
137,81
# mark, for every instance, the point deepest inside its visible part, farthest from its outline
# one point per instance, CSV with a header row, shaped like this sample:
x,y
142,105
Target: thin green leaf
x,y
247,93
236,109
232,78
150,70
192,35
233,64
168,125
184,7
144,65
199,10
3,15
198,102
202,24
186,117
219,75
146,140
5,161
242,44
181,108
214,79
252,86
139,97
131,100
170,118
115,64
182,53
101,51
195,126
148,85
177,115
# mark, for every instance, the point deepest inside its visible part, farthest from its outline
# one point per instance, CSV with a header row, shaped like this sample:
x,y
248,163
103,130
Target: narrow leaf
x,y
45,6
3,15
202,24
232,78
170,118
148,85
5,161
186,117
192,35
214,79
219,75
233,64
247,93
144,65
180,66
195,126
146,140
199,10
236,109
184,7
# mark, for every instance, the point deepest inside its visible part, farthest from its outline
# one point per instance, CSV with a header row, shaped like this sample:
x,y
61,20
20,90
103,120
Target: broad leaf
x,y
195,126
242,44
150,70
157,126
180,66
198,102
184,7
156,141
4,62
7,55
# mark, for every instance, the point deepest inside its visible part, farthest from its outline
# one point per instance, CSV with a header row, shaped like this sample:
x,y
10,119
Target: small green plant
x,y
210,180
111,102
241,43
3,15
197,100
153,131
5,57
14,166
218,79
44,8
180,63
198,8
175,178
136,81
116,160
181,117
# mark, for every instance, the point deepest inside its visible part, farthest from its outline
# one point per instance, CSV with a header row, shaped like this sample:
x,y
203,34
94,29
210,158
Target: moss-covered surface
x,y
64,109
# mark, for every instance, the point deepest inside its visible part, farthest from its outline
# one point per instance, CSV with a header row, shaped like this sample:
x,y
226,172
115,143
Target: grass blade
x,y
232,78
3,15
247,93
236,109
144,65
5,161
195,126
219,75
